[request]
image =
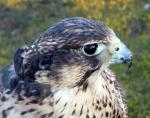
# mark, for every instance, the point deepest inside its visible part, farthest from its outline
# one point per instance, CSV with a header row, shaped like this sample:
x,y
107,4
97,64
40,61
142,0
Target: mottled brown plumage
x,y
65,74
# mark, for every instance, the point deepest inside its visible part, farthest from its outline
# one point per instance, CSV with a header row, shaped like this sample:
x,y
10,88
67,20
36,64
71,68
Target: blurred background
x,y
22,21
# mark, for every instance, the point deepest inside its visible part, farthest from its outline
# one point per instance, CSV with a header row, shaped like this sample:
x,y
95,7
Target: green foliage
x,y
22,21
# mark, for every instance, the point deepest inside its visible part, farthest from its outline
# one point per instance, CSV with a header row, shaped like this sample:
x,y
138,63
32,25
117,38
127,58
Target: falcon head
x,y
67,53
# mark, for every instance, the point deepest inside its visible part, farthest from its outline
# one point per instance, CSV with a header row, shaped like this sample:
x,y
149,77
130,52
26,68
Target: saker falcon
x,y
65,74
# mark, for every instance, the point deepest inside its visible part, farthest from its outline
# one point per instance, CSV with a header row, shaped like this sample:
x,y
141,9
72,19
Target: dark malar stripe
x,y
85,77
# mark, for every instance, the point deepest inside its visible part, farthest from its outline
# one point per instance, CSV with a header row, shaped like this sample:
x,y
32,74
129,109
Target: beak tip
x,y
129,61
130,64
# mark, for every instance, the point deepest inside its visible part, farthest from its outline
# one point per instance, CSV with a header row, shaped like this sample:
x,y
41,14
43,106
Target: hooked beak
x,y
121,54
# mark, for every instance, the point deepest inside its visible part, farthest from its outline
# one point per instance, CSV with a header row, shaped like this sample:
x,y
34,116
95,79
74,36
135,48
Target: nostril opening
x,y
117,49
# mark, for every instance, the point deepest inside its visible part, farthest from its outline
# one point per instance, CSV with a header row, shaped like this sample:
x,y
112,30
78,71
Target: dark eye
x,y
90,49
93,49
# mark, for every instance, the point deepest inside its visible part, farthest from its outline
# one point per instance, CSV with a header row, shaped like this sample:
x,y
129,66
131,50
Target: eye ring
x,y
90,49
93,49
